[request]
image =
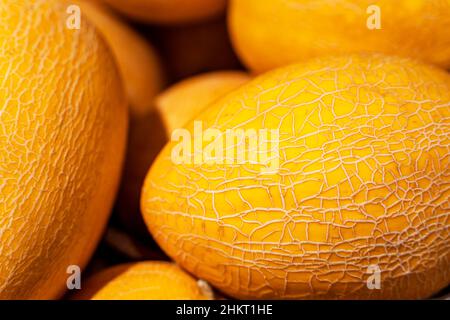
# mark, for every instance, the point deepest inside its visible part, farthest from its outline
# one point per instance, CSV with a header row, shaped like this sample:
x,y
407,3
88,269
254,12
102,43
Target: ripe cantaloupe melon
x,y
63,122
169,11
151,280
274,33
363,185
136,58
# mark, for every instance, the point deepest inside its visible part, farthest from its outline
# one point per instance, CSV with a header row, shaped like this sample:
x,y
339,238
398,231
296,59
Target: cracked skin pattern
x,y
63,121
301,29
364,179
142,281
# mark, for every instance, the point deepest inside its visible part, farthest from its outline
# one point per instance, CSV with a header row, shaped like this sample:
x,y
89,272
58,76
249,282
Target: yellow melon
x,y
169,11
137,60
273,33
63,123
151,280
353,180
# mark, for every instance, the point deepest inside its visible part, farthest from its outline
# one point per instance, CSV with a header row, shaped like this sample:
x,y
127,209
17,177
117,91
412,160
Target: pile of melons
x,y
121,124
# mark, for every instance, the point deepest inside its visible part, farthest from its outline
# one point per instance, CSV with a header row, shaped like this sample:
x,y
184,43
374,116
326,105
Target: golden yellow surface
x,y
273,33
364,179
169,11
143,281
63,121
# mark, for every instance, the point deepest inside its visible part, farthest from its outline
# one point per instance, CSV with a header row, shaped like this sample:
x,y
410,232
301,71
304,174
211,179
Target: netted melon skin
x,y
63,128
364,180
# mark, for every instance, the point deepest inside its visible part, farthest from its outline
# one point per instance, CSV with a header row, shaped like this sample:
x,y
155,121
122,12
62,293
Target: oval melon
x,y
169,11
151,280
362,185
273,33
63,122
